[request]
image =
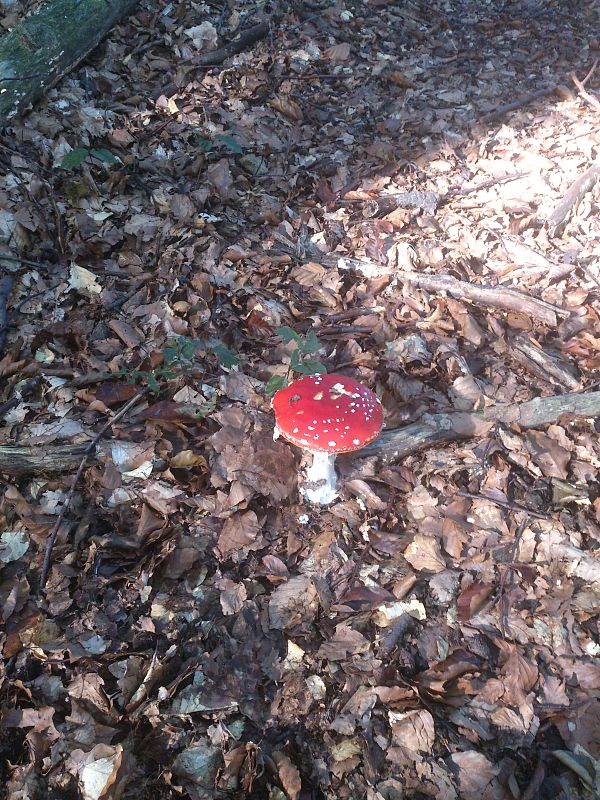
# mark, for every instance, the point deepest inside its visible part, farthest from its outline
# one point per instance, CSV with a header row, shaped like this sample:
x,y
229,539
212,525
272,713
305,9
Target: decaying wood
x,y
541,363
489,296
499,297
436,428
44,47
575,192
39,460
246,39
393,444
427,201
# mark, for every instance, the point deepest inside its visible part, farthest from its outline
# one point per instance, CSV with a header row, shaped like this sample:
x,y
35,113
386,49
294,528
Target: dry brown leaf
x,y
477,776
472,599
240,532
357,709
288,775
413,730
550,457
287,107
293,603
424,554
233,595
345,641
338,52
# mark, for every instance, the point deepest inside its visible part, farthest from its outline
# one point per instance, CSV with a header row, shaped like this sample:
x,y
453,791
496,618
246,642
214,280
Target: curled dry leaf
x,y
288,775
287,107
472,599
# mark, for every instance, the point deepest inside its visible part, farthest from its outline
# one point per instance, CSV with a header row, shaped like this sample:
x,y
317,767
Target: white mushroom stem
x,y
321,480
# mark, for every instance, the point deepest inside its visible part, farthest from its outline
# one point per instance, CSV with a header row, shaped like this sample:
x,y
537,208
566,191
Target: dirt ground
x,y
402,192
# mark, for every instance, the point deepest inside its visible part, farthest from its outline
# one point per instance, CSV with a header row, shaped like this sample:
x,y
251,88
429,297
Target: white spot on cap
x,y
331,444
355,441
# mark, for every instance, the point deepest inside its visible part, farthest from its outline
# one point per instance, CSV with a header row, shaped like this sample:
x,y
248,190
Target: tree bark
x,y
42,48
434,428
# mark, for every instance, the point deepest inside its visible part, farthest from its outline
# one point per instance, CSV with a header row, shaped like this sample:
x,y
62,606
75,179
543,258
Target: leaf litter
x,y
402,192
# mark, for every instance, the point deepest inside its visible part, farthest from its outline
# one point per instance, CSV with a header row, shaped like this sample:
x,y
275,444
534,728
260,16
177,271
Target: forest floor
x,y
383,189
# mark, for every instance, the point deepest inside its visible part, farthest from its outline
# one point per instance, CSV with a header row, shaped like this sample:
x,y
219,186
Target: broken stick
x,y
490,296
575,192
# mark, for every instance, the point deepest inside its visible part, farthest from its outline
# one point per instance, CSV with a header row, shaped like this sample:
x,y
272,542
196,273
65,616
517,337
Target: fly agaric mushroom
x,y
326,415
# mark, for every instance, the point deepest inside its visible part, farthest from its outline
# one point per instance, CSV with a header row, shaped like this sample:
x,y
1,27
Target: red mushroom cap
x,y
330,413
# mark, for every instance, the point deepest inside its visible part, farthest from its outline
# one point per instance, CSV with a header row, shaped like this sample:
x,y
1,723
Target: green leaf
x,y
311,344
153,383
295,360
105,156
75,158
274,384
227,358
289,335
311,368
230,143
205,144
170,354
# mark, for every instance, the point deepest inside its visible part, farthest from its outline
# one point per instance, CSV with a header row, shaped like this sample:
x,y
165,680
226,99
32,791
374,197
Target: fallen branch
x,y
39,460
489,296
43,47
541,364
91,447
246,39
523,101
6,285
434,428
575,193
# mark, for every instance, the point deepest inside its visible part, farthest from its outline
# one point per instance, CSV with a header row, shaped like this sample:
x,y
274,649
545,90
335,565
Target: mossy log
x,y
44,47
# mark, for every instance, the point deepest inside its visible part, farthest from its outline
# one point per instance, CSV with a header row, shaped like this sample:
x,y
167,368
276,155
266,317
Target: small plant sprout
x,y
304,346
326,415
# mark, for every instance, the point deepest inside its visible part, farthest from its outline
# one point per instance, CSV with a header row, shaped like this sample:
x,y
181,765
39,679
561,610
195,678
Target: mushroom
x,y
325,415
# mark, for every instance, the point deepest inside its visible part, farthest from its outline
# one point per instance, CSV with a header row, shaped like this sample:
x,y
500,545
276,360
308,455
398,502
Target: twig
x,y
87,452
503,504
479,187
523,101
575,192
6,285
510,570
19,260
21,77
592,99
489,296
244,40
590,73
540,363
